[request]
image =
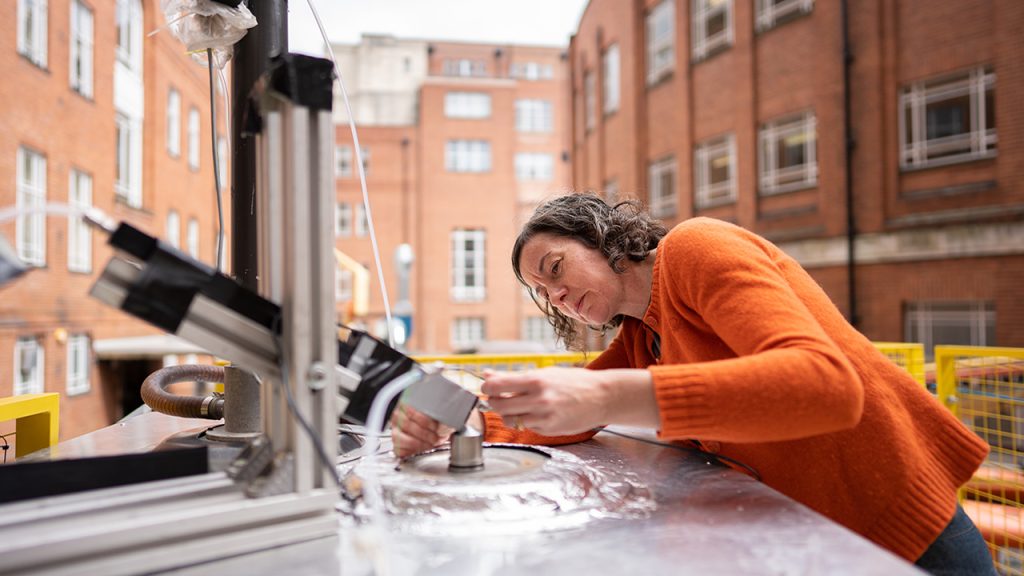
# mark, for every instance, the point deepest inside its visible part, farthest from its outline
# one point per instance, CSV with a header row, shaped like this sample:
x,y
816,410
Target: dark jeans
x,y
960,549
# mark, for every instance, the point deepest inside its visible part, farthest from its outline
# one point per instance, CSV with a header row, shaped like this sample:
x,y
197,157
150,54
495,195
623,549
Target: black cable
x,y
6,445
314,437
216,161
718,458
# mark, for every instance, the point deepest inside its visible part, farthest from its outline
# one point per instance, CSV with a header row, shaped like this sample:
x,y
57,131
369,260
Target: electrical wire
x,y
718,458
6,445
361,172
216,161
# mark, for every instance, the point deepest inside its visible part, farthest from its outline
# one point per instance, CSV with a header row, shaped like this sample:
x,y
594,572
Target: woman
x,y
725,339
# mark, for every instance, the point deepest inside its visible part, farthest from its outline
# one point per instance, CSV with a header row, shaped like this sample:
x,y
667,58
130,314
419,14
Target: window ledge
x,y
949,162
787,189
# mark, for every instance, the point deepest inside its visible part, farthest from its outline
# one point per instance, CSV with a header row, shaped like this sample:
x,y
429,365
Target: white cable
x,y
362,174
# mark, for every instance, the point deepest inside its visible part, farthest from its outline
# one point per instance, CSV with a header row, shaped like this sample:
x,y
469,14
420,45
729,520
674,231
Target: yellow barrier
x,y
984,387
907,355
464,368
37,420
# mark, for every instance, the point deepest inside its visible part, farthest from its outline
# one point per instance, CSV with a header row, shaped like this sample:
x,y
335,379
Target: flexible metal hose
x,y
155,395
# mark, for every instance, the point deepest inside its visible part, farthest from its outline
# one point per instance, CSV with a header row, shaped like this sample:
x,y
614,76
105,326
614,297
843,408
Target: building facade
x,y
460,142
880,146
96,113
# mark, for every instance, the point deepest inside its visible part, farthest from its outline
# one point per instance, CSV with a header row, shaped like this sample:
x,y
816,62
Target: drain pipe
x,y
850,144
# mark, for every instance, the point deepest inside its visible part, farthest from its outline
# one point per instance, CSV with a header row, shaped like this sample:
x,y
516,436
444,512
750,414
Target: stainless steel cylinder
x,y
467,451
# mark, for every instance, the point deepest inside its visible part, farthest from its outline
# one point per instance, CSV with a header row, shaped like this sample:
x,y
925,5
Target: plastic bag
x,y
204,24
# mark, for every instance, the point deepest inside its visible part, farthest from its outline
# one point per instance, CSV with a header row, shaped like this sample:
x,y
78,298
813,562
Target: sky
x,y
545,22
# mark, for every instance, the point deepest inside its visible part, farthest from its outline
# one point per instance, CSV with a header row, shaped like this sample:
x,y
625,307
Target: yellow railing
x,y
464,368
37,420
984,387
907,355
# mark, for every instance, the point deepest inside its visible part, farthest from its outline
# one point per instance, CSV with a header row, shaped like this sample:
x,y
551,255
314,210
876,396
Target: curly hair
x,y
619,232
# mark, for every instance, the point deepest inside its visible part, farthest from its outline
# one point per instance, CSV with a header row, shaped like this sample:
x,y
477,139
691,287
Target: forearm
x,y
629,397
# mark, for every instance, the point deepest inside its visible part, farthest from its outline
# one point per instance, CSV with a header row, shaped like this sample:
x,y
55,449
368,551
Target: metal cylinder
x,y
467,451
241,401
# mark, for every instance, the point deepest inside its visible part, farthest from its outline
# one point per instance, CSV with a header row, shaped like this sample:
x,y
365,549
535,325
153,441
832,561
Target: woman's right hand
x,y
413,431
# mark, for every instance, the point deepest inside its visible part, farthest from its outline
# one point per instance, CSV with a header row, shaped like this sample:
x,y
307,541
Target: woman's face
x,y
574,279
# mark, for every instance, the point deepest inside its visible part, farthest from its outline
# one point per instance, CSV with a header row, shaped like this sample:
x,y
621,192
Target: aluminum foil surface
x,y
520,490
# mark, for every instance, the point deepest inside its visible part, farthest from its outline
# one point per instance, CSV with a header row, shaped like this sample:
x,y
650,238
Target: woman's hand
x,y
562,401
413,431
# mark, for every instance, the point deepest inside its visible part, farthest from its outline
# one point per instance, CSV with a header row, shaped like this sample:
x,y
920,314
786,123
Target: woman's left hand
x,y
550,401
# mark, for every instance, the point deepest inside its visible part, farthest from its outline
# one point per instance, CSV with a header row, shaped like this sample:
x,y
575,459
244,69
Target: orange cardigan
x,y
759,365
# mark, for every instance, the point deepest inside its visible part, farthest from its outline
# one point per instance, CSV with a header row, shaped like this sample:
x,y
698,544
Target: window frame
x,y
38,383
769,15
77,384
708,195
534,115
467,105
466,331
771,132
920,318
192,238
534,167
343,221
172,232
462,265
173,118
31,194
342,161
34,14
81,49
660,51
468,156
195,132
79,233
663,205
703,45
611,79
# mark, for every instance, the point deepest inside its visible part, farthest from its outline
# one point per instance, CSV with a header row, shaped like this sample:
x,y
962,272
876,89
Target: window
x,y
28,366
467,156
193,139
343,161
771,13
78,364
715,172
129,33
951,119
534,167
343,285
467,265
531,71
661,41
467,105
712,27
662,180
464,67
32,31
343,219
538,329
970,323
467,333
173,123
361,224
364,154
79,235
128,187
590,100
80,67
533,116
610,68
788,154
174,229
222,161
192,238
31,228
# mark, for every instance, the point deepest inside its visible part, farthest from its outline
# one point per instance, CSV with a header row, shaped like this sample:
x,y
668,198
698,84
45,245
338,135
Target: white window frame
x,y
538,329
80,64
79,233
359,222
704,44
128,183
173,232
32,31
464,67
35,383
31,227
707,194
468,262
531,71
663,203
534,115
771,13
343,161
467,105
660,26
343,285
467,332
192,238
173,122
194,133
777,181
343,219
467,156
128,19
590,99
364,157
78,364
534,167
980,142
921,318
611,68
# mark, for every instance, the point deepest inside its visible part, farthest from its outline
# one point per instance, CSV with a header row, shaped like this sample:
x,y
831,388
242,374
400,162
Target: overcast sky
x,y
547,22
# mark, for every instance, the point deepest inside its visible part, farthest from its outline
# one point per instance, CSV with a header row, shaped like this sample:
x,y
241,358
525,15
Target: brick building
x,y
882,148
460,141
95,113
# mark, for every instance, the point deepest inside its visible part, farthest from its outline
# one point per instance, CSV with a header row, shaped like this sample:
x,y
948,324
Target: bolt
x,y
317,376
